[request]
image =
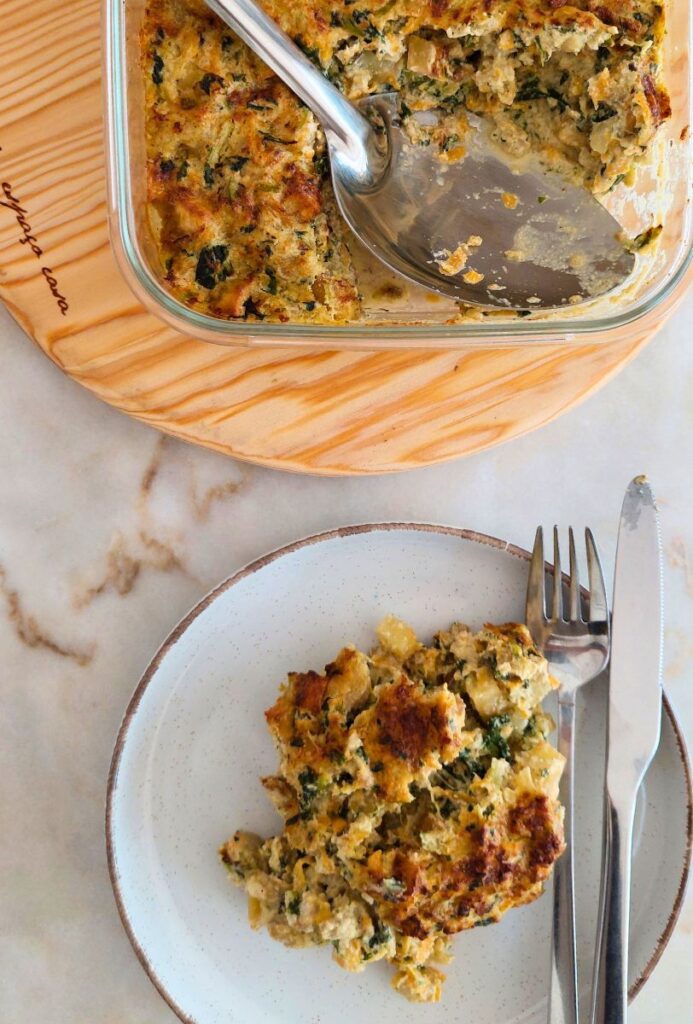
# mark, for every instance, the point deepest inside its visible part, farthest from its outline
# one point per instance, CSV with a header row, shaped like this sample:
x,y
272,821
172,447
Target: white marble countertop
x,y
109,533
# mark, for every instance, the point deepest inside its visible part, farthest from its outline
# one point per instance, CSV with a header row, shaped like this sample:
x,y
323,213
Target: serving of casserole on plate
x,y
419,796
239,198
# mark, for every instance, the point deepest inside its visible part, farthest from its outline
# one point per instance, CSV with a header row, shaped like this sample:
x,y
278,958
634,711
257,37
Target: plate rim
x,y
249,569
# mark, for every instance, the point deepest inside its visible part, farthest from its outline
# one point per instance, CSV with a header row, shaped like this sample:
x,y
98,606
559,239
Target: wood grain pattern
x,y
299,409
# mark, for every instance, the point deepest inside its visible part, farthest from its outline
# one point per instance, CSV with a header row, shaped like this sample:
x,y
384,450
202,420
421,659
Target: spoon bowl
x,y
482,229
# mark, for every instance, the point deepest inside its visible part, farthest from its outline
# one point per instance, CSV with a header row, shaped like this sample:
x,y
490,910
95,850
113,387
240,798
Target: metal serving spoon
x,y
523,237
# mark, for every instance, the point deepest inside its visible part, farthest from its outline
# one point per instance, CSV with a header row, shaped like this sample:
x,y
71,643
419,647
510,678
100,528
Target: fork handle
x,y
563,1005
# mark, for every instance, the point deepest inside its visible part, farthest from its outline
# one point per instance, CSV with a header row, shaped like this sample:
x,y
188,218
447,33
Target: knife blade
x,y
635,702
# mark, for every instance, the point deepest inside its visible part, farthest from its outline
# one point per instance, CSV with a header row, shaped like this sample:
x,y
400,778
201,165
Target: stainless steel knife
x,y
635,702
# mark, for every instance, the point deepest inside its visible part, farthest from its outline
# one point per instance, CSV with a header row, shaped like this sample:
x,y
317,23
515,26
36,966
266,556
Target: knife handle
x,y
563,1007
610,995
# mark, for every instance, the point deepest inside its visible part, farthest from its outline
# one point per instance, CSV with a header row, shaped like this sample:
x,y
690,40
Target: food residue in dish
x,y
451,263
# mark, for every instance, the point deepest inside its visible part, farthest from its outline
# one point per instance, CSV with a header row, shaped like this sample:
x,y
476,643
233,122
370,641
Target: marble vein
x,y
31,633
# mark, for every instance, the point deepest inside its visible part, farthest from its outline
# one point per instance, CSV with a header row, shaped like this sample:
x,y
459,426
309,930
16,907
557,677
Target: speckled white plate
x,y
193,744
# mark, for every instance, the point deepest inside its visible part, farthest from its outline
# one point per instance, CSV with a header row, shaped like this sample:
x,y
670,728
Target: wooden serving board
x,y
300,409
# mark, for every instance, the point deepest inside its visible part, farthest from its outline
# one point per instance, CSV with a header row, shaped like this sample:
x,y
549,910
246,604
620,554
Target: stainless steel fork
x,y
577,650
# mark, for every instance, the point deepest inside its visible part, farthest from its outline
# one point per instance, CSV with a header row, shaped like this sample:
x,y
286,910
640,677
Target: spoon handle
x,y
347,131
563,1005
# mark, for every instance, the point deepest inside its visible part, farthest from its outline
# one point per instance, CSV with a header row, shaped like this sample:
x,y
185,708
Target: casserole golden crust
x,y
419,794
238,193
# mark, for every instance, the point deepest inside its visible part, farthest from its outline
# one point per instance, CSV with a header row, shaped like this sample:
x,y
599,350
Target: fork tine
x,y
598,606
536,592
575,609
557,597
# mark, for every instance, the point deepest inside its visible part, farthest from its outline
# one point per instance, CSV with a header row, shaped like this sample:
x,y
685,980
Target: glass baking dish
x,y
663,192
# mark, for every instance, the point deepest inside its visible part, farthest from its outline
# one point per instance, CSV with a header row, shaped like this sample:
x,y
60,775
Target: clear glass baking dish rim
x,y
648,315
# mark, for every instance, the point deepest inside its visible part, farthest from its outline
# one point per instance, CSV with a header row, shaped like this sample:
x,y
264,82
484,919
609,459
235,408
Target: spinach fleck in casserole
x,y
419,795
239,199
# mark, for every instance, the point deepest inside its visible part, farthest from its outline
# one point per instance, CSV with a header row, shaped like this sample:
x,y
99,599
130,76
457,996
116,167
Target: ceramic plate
x,y
193,744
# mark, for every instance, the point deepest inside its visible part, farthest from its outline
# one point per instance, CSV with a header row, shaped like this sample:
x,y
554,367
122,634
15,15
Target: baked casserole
x,y
239,200
419,795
